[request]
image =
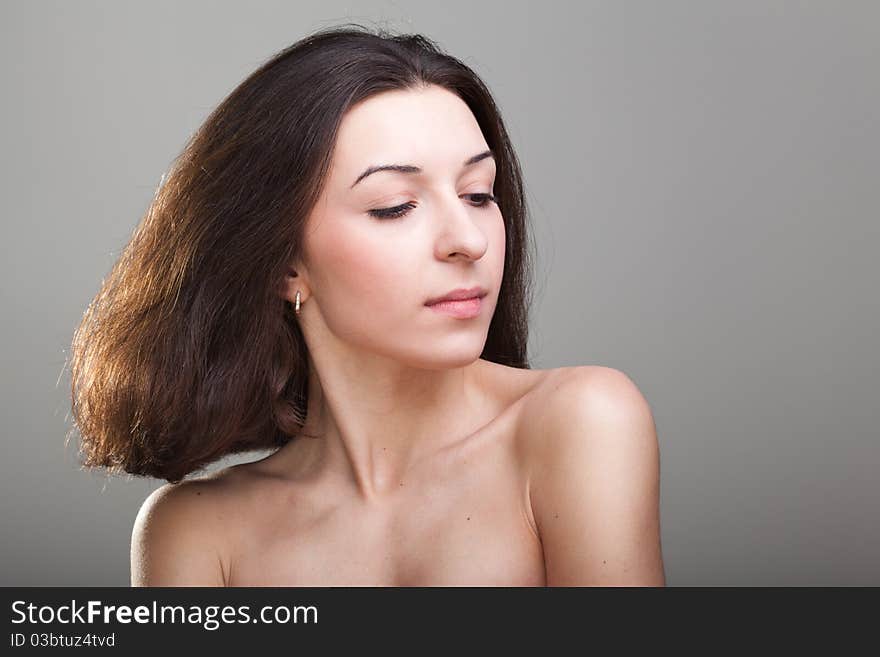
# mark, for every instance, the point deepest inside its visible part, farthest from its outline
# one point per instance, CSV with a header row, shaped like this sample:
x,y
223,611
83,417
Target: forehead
x,y
431,128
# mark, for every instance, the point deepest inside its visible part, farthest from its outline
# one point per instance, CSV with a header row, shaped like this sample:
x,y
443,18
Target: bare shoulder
x,y
179,533
569,396
590,450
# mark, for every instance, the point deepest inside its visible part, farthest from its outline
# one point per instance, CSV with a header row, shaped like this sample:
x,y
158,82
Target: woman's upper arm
x,y
594,482
172,543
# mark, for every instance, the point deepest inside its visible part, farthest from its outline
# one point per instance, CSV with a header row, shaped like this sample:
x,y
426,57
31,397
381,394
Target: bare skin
x,y
434,467
478,512
459,516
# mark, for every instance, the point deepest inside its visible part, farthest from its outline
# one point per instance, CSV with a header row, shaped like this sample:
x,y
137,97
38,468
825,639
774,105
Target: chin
x,y
441,357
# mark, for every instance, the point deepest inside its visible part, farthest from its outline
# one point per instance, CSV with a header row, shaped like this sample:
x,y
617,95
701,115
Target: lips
x,y
459,294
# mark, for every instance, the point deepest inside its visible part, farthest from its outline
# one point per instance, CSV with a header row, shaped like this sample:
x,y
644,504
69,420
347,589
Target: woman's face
x,y
369,277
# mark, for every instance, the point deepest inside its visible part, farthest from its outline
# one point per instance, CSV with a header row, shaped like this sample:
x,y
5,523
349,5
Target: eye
x,y
478,200
392,213
483,199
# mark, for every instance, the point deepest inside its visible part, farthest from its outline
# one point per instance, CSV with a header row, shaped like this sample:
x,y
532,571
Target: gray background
x,y
703,181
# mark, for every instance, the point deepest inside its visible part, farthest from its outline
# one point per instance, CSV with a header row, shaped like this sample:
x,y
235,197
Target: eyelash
x,y
401,210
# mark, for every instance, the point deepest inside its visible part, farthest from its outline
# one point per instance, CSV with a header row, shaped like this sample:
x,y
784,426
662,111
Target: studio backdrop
x,y
702,186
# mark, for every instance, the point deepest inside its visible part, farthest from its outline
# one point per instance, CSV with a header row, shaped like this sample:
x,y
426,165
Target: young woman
x,y
336,268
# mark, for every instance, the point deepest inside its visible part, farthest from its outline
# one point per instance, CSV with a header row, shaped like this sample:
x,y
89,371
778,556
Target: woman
x,y
336,268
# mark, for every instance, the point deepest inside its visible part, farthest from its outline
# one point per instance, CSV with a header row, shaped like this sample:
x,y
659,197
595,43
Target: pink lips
x,y
461,309
459,294
462,303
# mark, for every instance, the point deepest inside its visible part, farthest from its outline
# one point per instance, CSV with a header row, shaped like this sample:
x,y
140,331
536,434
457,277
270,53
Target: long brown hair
x,y
188,352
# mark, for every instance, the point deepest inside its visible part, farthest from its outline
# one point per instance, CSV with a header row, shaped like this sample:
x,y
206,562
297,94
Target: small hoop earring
x,y
296,304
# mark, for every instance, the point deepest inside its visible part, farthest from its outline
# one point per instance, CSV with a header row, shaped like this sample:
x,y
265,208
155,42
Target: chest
x,y
469,528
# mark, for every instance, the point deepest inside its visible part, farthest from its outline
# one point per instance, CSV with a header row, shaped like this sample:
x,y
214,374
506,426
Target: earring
x,y
296,306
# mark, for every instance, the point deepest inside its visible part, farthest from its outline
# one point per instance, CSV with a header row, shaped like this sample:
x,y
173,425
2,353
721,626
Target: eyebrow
x,y
411,168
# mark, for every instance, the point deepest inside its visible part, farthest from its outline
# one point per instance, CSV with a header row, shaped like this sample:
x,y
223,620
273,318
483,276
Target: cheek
x,y
501,234
497,248
360,272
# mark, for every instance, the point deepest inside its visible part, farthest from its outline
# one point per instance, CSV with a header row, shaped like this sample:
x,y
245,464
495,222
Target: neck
x,y
377,419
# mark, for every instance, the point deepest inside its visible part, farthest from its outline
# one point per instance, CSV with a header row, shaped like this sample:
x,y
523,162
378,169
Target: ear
x,y
295,280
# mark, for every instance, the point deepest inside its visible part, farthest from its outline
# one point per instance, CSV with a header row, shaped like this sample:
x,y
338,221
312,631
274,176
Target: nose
x,y
461,234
